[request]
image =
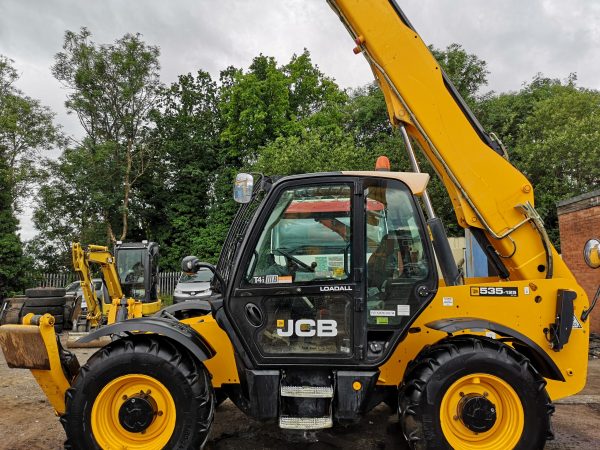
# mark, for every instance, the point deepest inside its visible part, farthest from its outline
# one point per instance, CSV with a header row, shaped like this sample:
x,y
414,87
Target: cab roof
x,y
417,182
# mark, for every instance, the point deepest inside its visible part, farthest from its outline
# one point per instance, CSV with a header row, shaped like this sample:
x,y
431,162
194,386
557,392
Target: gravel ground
x,y
27,421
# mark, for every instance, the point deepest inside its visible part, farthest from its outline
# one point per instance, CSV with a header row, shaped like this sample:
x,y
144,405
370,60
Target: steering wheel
x,y
296,261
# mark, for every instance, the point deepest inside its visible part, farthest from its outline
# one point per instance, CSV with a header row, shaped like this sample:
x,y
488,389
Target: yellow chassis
x,y
35,346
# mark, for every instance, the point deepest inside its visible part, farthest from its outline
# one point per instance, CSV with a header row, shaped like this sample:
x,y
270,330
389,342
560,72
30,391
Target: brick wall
x,y
579,220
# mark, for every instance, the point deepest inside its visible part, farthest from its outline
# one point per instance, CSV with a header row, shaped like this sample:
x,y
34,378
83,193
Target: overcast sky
x,y
517,38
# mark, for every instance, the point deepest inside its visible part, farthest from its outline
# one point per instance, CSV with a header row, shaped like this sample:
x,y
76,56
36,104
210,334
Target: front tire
x,y
474,393
140,392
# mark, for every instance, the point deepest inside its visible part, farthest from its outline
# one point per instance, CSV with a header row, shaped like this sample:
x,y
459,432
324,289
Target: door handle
x,y
254,315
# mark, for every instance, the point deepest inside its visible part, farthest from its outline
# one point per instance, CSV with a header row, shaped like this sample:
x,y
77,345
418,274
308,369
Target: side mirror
x,y
242,189
591,253
191,264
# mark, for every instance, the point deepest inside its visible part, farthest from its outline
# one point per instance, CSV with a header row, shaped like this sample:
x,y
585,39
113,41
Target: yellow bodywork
x,y
528,314
222,366
487,192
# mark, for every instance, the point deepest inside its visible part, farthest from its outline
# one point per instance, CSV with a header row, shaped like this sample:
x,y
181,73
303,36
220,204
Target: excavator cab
x,y
137,267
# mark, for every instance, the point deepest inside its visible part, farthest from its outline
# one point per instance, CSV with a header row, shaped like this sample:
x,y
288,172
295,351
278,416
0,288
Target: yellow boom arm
x,y
81,262
487,192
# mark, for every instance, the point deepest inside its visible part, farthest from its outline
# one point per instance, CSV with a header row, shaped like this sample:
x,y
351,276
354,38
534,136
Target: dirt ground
x,y
27,421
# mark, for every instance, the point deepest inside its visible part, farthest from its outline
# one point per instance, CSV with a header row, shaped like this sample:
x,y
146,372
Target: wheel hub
x,y
477,413
137,413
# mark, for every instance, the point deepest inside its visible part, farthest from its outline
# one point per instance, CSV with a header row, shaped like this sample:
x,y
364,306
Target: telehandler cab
x,y
326,299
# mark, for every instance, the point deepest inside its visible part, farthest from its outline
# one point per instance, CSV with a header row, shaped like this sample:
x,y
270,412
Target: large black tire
x,y
44,301
185,380
41,310
45,292
437,369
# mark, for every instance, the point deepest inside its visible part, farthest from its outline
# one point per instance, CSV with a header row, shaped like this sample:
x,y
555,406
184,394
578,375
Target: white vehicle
x,y
193,286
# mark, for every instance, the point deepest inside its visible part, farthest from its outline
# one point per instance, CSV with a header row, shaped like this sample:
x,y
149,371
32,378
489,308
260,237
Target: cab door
x,y
297,294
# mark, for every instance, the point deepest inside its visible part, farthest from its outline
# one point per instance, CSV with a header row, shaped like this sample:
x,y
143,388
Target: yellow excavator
x,y
131,279
326,300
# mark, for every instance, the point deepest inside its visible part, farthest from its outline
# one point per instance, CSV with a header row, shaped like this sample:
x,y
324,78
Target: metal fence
x,y
50,279
166,280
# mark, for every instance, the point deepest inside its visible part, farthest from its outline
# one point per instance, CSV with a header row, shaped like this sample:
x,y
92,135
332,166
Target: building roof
x,y
583,201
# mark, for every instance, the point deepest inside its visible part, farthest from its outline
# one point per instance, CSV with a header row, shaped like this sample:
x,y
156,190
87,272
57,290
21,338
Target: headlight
x,y
178,291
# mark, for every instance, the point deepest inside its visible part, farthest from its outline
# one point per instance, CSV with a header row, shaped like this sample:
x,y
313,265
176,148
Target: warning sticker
x,y
272,279
448,301
382,313
266,279
576,323
382,320
404,310
487,291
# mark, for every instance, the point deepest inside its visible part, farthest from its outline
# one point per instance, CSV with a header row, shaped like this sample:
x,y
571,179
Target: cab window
x,y
396,259
306,238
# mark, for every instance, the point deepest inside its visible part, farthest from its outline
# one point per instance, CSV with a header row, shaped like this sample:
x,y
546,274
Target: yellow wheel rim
x,y
106,427
504,434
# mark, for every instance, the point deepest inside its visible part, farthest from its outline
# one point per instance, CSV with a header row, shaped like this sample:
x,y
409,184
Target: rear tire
x,y
44,301
451,385
45,292
41,310
171,381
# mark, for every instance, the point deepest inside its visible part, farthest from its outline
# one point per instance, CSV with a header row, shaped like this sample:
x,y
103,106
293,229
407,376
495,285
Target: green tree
x,y
11,252
70,207
26,128
187,130
467,71
558,149
257,107
319,150
550,127
113,89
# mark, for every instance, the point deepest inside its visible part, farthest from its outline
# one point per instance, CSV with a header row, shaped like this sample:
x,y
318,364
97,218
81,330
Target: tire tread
x,y
422,369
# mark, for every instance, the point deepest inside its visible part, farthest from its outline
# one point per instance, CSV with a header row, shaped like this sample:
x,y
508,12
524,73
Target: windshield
x,y
73,286
307,237
203,276
130,265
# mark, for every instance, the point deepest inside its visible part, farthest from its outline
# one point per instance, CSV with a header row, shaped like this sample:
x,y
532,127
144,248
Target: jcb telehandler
x,y
326,299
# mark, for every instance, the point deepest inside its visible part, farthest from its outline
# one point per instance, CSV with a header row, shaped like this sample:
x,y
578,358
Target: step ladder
x,y
306,423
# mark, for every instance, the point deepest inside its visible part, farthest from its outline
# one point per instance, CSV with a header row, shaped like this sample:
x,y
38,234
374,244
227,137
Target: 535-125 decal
x,y
488,291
